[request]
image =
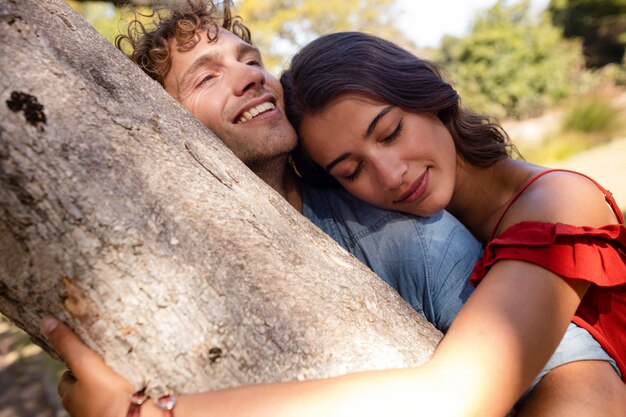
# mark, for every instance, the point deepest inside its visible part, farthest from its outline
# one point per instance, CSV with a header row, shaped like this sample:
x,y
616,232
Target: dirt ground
x,y
27,382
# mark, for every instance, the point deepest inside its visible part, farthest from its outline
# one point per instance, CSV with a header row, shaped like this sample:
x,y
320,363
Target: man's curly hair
x,y
151,50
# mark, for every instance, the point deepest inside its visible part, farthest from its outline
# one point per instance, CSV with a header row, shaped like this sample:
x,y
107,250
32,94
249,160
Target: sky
x,y
426,21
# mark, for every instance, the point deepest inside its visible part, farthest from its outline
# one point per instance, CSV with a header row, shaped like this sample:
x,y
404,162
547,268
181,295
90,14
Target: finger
x,y
66,383
79,358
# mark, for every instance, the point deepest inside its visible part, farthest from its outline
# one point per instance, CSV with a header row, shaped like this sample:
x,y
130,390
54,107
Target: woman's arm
x,y
506,332
97,391
499,342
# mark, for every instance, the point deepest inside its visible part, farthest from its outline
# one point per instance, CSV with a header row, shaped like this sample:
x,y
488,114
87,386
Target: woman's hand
x,y
92,389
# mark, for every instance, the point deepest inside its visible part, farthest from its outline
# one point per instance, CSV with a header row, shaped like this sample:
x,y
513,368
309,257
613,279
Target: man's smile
x,y
254,111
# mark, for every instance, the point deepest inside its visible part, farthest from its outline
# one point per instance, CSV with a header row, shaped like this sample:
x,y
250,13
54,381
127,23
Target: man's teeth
x,y
255,111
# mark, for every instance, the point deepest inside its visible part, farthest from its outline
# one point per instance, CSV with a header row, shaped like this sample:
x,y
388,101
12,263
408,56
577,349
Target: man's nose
x,y
247,77
390,172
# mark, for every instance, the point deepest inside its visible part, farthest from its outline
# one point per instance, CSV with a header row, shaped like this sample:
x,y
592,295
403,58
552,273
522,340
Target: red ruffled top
x,y
596,255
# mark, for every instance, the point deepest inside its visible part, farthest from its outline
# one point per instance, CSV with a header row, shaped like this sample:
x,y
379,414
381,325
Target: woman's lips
x,y
415,191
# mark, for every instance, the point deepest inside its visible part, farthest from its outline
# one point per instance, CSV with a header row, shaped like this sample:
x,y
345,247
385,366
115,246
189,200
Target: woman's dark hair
x,y
371,67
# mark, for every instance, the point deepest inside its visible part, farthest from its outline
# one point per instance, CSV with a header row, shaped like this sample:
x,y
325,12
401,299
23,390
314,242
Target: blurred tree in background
x,y
600,23
103,16
511,64
280,27
110,18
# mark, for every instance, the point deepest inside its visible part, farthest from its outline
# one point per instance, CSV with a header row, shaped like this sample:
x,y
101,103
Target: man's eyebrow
x,y
375,121
198,63
246,48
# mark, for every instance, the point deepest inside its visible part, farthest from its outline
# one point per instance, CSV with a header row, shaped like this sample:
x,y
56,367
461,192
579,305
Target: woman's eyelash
x,y
394,134
355,174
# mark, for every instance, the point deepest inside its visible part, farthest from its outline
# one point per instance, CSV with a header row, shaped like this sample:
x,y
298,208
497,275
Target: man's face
x,y
225,86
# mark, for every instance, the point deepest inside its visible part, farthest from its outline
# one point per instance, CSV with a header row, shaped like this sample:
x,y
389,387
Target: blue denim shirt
x,y
427,260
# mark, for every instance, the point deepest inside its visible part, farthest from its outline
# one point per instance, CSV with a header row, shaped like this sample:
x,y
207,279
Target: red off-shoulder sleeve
x,y
597,255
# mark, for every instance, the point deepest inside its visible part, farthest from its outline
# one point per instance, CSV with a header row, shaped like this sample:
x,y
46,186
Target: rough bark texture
x,y
122,215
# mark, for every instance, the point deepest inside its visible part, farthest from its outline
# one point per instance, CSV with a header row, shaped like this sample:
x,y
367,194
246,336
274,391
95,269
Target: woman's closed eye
x,y
387,139
394,135
355,173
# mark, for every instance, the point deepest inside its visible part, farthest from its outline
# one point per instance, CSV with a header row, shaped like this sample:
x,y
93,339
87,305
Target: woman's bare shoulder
x,y
561,197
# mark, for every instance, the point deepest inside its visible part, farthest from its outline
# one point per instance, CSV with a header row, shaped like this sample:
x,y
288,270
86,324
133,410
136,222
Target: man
x,y
219,78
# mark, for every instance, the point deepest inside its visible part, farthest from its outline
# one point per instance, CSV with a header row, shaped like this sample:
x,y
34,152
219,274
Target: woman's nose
x,y
390,172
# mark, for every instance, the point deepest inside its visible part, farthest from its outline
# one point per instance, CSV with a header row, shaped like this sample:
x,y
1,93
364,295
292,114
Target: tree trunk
x,y
122,215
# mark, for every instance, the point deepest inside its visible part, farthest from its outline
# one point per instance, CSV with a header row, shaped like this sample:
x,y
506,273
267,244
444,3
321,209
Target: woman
x,y
387,128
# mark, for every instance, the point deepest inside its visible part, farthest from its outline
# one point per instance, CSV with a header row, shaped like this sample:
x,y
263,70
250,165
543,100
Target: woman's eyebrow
x,y
375,121
336,161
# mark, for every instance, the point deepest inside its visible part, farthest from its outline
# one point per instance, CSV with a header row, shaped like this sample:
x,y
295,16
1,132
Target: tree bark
x,y
123,216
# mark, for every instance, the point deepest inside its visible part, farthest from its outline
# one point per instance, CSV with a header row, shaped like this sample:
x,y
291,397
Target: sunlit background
x,y
426,22
552,71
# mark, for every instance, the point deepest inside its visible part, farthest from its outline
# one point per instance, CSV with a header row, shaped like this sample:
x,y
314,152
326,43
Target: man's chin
x,y
260,144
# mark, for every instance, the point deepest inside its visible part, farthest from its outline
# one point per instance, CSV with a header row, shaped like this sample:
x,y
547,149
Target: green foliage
x,y
280,27
558,147
600,23
595,114
510,64
103,16
587,121
106,18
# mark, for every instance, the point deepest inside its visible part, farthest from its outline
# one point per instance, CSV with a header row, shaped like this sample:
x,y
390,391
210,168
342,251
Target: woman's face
x,y
388,157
